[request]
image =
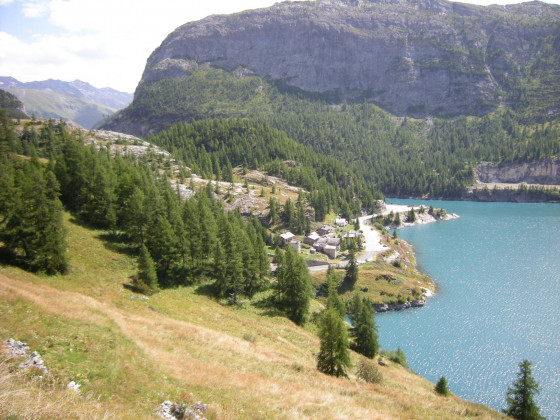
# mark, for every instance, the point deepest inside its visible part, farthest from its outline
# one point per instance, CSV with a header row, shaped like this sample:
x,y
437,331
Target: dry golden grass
x,y
134,354
22,397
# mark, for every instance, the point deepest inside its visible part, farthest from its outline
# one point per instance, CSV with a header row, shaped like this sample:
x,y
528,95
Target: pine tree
x,y
333,357
520,397
146,269
364,331
441,387
294,284
333,298
351,276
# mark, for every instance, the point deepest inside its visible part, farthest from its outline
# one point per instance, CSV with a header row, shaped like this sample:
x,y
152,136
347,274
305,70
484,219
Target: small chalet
x,y
341,222
286,238
326,230
352,234
311,238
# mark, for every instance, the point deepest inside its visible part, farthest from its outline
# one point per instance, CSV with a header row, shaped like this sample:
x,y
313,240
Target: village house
x,y
326,230
286,237
341,222
311,238
352,234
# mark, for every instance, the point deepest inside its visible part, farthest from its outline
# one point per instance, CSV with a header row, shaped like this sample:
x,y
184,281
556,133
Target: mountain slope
x,y
12,105
50,104
108,97
432,57
129,354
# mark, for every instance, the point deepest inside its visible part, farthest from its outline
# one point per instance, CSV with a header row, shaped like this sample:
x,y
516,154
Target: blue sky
x,y
103,42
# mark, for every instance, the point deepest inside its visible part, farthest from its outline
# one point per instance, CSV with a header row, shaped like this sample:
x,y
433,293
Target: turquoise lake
x,y
497,303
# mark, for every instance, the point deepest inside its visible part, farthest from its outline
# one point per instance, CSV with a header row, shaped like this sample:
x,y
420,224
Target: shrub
x,y
397,356
251,338
368,371
441,387
397,264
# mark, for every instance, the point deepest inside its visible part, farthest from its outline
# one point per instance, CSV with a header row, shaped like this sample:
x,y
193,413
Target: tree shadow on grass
x,y
206,289
267,306
118,242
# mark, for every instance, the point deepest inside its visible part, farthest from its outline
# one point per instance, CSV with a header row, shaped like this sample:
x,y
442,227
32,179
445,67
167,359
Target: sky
x,y
103,42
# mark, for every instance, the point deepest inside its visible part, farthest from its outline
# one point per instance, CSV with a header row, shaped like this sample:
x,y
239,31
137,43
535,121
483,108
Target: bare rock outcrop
x,y
543,172
428,57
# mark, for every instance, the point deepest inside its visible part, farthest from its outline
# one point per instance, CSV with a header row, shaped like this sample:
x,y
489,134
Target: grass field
x,y
130,355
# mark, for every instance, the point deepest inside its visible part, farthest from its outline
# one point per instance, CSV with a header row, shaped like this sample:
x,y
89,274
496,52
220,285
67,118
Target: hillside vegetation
x,y
400,157
129,354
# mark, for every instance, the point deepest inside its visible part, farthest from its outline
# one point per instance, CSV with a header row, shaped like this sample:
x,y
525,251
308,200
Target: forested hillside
x,y
400,156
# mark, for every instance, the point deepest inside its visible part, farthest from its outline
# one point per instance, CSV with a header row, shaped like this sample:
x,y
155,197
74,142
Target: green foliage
x,y
520,397
212,147
364,330
334,300
11,105
351,276
293,285
441,387
396,356
31,229
368,371
333,357
146,270
419,157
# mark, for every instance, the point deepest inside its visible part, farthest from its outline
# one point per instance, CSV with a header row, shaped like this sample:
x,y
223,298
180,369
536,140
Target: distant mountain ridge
x,y
418,58
108,97
75,101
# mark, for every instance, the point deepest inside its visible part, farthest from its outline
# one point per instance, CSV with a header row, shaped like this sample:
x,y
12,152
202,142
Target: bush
x,y
397,356
397,264
441,387
368,371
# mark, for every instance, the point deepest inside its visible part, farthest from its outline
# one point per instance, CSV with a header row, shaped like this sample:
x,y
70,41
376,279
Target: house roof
x,y
287,236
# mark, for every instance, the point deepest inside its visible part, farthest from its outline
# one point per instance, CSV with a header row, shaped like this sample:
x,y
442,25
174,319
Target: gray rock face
x,y
416,57
545,172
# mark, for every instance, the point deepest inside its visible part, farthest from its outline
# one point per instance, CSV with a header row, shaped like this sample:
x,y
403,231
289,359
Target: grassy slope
x,y
130,355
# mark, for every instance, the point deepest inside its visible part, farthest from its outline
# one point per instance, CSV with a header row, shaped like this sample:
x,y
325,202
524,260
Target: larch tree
x,y
520,397
333,357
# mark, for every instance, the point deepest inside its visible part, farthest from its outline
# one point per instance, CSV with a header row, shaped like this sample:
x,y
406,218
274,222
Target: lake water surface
x,y
498,302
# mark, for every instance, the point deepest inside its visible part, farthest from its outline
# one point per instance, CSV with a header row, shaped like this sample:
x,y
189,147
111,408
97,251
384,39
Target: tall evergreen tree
x,y
294,283
364,330
333,357
333,298
146,269
351,276
520,397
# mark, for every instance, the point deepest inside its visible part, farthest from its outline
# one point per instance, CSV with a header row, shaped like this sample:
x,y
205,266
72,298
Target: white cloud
x,y
35,8
107,42
5,2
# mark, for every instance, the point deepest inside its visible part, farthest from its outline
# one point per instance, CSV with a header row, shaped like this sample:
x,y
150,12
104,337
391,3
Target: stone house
x,y
311,238
286,237
341,222
326,230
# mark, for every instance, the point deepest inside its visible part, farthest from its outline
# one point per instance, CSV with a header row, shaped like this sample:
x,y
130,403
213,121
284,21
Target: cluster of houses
x,y
323,240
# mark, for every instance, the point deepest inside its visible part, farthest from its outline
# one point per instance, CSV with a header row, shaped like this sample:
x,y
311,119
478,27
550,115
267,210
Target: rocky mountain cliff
x,y
421,57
